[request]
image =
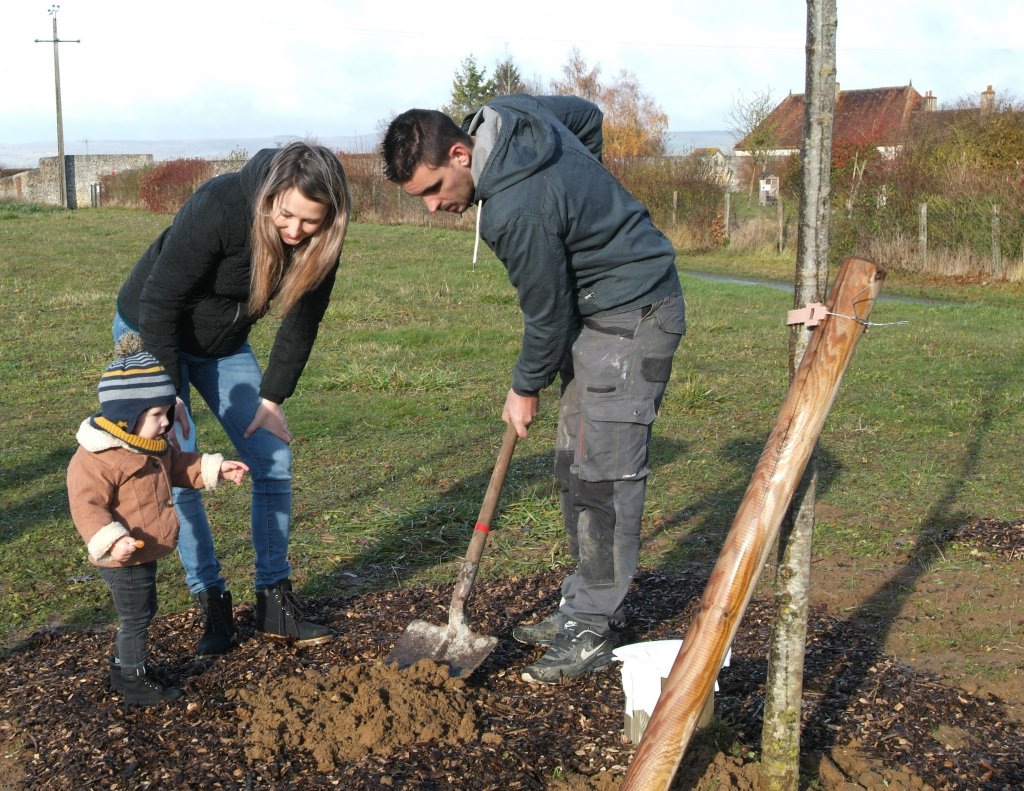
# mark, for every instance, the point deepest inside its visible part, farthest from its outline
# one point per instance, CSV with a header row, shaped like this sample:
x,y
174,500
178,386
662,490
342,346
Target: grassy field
x,y
397,418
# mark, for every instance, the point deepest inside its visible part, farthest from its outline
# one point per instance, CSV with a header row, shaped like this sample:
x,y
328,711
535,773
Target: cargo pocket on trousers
x,y
656,369
615,435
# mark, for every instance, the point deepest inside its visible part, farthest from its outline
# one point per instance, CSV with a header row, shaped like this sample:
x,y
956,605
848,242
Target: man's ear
x,y
460,153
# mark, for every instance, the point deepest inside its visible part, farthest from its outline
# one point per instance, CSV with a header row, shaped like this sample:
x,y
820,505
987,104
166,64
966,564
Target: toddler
x,y
119,488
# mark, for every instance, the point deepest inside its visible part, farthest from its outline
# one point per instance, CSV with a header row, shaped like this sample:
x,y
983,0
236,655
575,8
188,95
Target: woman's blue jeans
x,y
230,386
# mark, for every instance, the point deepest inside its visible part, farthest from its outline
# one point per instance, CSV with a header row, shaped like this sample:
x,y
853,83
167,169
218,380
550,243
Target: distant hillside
x,y
679,143
27,155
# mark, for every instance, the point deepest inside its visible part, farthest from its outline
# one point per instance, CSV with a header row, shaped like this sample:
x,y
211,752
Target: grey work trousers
x,y
610,397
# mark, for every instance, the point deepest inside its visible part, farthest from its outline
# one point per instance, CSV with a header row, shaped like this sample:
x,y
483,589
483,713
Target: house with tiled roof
x,y
877,117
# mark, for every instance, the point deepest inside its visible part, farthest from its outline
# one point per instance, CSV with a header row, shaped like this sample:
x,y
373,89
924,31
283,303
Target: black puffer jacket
x,y
190,290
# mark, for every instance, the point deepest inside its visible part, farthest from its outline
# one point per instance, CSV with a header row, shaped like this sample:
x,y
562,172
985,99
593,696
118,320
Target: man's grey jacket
x,y
574,241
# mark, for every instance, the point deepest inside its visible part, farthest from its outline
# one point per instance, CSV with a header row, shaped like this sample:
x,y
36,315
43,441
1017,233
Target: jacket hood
x,y
253,173
515,138
94,440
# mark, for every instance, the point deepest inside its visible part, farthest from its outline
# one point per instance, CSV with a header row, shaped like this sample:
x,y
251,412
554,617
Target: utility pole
x,y
62,176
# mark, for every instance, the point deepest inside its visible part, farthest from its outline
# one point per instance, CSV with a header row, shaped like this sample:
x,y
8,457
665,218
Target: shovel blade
x,y
461,649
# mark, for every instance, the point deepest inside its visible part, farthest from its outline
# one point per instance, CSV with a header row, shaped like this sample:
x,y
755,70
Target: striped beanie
x,y
132,384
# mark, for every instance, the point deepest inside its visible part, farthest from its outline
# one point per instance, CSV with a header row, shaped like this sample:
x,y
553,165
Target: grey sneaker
x,y
542,633
577,650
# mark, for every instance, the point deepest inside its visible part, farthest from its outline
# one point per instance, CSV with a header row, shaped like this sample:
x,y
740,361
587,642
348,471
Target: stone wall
x,y
42,185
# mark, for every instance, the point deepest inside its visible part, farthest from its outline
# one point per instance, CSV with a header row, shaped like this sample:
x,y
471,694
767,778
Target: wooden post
x,y
675,205
997,249
755,527
922,235
780,219
727,210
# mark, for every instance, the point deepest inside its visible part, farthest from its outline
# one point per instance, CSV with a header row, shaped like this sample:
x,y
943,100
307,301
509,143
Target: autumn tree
x,y
470,90
634,124
578,79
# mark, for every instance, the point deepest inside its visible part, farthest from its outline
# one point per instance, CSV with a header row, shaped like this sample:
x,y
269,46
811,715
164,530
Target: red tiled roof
x,y
875,116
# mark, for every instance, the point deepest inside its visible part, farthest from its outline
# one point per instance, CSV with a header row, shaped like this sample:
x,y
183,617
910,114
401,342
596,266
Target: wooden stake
x,y
734,577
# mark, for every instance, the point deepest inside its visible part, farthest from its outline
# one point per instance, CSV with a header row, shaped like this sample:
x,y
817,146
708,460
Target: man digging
x,y
602,307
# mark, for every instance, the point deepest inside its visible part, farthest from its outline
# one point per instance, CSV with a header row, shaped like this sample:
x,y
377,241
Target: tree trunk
x,y
780,734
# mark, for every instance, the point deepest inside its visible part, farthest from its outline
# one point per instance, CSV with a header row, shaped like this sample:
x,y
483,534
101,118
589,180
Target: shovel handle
x,y
493,494
467,574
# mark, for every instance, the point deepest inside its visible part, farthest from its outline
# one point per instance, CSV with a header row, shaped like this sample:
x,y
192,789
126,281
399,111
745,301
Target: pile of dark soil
x,y
270,715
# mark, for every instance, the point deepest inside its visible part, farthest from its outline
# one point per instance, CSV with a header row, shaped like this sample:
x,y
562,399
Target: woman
x,y
270,234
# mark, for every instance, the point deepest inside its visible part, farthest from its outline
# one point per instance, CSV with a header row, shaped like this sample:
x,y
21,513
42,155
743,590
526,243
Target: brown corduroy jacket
x,y
115,490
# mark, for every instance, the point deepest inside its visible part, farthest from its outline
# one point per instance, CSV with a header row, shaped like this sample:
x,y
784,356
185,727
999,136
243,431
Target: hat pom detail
x,y
129,343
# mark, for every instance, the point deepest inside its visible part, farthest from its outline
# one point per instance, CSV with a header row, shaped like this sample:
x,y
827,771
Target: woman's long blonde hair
x,y
317,173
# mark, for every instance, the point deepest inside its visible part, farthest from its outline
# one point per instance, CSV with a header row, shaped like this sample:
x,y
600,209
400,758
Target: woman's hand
x,y
181,418
270,417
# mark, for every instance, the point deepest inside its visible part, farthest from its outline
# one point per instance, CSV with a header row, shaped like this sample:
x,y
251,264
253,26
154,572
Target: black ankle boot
x,y
279,614
145,690
117,678
218,625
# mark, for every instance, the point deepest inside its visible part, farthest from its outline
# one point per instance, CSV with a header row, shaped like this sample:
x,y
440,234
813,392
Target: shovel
x,y
455,644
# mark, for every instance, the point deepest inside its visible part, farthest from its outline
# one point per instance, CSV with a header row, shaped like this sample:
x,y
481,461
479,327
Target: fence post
x,y
997,250
675,205
922,234
781,222
727,207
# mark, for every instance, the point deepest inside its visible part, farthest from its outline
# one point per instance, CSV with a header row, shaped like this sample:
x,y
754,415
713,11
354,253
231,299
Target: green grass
x,y
397,419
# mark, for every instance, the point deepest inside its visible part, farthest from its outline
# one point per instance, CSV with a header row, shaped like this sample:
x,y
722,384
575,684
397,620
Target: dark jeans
x,y
133,589
620,366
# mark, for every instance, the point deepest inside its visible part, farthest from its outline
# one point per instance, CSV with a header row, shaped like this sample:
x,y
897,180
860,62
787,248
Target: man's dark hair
x,y
419,137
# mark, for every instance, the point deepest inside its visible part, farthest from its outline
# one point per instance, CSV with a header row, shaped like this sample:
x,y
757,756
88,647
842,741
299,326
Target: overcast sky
x,y
329,68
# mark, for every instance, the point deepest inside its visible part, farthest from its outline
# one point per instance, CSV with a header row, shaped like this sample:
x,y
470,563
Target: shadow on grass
x,y
707,525
707,521
883,606
438,533
25,513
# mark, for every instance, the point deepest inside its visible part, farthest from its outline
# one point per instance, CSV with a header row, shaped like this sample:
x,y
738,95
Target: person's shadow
x,y
439,531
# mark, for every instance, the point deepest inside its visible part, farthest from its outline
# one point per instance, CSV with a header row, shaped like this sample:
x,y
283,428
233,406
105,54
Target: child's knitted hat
x,y
133,383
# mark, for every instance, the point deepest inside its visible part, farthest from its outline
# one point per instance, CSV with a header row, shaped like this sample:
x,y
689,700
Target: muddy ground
x,y
881,708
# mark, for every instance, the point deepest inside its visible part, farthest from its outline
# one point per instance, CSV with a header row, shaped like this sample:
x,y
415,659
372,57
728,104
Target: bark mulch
x,y
997,536
908,729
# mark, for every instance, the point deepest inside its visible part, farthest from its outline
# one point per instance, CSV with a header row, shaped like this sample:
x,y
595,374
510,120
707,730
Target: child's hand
x,y
233,471
123,549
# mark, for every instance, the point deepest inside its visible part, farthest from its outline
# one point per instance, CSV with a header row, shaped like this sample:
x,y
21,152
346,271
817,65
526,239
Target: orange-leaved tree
x,y
634,124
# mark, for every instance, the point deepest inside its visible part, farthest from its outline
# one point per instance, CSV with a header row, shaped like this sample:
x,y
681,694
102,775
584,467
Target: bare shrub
x,y
168,185
122,188
757,234
681,194
961,165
